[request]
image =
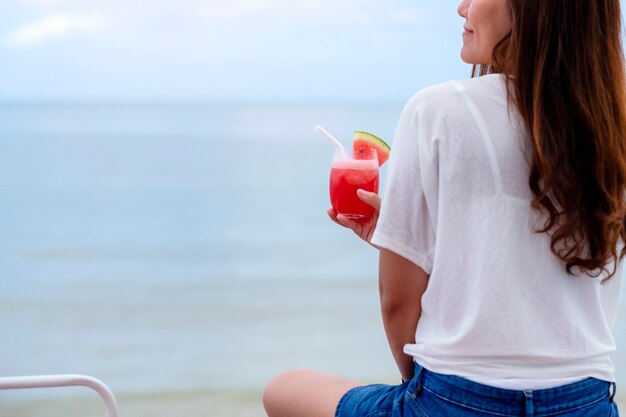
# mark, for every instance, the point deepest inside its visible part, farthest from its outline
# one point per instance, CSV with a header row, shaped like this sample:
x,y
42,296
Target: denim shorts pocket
x,y
412,402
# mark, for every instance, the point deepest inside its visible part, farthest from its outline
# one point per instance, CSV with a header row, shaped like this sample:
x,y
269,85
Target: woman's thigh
x,y
305,393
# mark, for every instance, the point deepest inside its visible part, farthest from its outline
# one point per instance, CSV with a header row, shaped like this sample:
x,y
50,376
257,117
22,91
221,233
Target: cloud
x,y
54,27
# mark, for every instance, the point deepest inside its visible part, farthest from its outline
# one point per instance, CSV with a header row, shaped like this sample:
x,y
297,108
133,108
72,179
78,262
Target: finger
x,y
369,198
333,216
350,224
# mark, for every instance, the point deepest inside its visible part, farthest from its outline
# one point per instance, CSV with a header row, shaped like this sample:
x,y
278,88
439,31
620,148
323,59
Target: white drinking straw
x,y
319,129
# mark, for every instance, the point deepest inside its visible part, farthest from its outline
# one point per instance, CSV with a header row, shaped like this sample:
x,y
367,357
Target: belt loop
x,y
530,410
418,370
612,391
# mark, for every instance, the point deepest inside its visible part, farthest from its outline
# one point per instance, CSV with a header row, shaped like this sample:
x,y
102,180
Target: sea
x,y
181,253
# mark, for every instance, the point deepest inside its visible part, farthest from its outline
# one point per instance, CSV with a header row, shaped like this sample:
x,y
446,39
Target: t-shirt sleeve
x,y
406,225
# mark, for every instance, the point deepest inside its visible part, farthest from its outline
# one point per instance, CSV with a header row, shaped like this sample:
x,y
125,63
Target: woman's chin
x,y
469,58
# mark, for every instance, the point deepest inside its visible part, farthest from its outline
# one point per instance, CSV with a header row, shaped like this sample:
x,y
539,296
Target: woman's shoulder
x,y
446,97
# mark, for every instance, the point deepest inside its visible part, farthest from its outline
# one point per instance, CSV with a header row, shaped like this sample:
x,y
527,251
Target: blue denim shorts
x,y
430,394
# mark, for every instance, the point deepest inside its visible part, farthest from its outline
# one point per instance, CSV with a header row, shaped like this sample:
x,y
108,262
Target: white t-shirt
x,y
499,308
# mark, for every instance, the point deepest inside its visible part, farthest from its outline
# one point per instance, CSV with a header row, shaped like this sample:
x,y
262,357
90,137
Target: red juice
x,y
347,176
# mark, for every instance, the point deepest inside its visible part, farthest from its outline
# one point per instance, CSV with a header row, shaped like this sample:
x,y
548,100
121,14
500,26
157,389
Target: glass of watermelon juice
x,y
350,171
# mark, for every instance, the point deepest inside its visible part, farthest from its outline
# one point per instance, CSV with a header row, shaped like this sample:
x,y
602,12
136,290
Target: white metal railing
x,y
54,381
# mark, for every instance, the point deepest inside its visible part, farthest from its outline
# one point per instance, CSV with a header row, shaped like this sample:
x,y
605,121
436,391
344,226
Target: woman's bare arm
x,y
401,285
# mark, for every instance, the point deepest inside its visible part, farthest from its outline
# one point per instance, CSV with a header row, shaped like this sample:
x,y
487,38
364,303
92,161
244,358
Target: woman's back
x,y
500,306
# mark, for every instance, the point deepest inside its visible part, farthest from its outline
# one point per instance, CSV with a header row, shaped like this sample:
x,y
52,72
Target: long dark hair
x,y
564,63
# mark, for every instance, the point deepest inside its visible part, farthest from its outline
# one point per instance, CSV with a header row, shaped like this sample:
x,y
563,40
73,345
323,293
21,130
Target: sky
x,y
227,50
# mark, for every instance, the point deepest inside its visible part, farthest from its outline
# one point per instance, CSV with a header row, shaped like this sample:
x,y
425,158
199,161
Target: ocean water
x,y
182,254
180,249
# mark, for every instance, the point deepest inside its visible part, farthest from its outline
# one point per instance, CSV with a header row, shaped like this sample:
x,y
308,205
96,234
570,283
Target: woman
x,y
501,230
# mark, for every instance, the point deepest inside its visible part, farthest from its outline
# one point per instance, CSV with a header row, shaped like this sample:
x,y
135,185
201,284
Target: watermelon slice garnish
x,y
363,141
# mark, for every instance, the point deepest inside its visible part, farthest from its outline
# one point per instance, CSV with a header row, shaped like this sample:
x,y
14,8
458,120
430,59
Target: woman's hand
x,y
364,230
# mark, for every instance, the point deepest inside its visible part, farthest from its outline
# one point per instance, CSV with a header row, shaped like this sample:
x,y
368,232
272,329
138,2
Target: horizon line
x,y
197,102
